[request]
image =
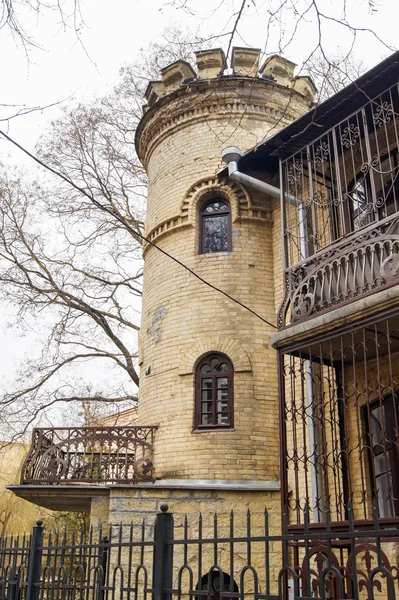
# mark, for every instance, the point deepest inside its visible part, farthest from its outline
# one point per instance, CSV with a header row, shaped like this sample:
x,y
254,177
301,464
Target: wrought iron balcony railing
x,y
343,272
341,211
90,455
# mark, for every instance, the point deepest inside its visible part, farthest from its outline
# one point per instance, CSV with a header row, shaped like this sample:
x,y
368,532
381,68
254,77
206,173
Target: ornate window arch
x,y
215,226
214,393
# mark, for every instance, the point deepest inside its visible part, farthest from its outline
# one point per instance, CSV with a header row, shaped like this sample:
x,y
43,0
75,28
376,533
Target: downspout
x,y
231,155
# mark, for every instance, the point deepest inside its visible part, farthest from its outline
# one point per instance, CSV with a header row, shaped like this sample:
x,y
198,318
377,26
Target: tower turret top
x,y
212,64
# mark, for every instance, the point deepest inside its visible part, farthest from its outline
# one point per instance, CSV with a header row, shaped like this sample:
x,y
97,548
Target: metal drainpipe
x,y
231,155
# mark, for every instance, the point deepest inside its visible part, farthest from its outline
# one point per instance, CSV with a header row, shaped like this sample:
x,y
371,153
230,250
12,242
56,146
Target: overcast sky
x,y
110,36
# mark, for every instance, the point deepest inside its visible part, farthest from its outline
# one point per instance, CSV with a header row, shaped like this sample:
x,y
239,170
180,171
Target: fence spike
x,y
200,526
266,521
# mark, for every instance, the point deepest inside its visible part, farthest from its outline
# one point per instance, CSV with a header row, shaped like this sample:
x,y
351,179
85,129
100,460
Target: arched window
x,y
214,393
216,582
215,226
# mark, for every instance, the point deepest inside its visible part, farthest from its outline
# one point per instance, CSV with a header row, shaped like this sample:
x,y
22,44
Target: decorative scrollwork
x,y
320,199
91,454
383,114
294,174
142,467
350,135
52,464
390,267
380,201
321,154
302,305
314,238
345,271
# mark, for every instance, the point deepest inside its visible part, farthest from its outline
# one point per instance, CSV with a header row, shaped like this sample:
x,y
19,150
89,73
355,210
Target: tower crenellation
x,y
212,64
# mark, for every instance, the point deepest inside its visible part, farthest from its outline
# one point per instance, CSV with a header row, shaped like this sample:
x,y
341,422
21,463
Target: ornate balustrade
x,y
340,208
90,455
342,272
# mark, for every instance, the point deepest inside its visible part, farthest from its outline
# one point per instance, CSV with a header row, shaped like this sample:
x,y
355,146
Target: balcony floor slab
x,y
336,317
74,498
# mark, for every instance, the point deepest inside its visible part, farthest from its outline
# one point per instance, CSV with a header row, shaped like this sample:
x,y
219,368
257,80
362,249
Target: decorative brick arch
x,y
215,343
212,186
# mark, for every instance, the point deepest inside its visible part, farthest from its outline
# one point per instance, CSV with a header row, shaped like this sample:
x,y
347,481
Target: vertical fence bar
x,y
102,562
35,562
163,555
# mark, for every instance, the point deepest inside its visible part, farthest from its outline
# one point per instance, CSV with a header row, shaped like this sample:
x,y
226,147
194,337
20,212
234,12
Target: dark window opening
x,y
214,393
215,226
386,181
384,454
384,178
216,582
361,204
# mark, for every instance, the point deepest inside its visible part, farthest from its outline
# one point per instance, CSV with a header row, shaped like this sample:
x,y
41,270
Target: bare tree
x,y
13,14
59,276
333,74
70,254
70,262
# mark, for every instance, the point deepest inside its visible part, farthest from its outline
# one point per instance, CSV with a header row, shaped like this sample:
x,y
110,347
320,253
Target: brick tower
x,y
208,373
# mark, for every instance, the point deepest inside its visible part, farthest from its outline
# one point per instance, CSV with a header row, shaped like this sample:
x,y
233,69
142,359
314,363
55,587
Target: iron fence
x,y
208,557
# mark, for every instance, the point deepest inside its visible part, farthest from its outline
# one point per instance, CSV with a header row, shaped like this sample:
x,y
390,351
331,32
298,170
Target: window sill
x,y
225,254
343,526
213,429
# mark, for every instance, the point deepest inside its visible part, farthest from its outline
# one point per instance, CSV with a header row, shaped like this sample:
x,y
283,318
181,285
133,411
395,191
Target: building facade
x,y
269,347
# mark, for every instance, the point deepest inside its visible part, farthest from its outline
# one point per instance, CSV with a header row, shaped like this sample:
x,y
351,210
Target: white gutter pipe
x,y
231,155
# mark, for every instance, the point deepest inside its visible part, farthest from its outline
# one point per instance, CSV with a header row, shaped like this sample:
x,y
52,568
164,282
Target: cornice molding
x,y
183,112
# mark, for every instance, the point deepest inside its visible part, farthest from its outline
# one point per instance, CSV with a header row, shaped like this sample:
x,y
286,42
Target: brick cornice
x,y
206,101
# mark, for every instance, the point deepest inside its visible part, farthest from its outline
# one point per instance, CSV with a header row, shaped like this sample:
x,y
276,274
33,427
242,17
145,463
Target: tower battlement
x,y
212,64
229,96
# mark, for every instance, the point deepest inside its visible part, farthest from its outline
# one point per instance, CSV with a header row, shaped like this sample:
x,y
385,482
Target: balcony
x,y
89,455
343,272
341,212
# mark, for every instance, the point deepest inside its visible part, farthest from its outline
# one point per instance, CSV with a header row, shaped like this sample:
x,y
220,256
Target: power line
x,y
130,228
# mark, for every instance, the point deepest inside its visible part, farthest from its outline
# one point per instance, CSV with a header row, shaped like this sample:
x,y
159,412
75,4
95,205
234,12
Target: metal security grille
x,y
340,411
210,557
344,182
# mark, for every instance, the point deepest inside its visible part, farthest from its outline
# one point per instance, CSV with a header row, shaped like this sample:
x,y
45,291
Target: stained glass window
x,y
215,226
